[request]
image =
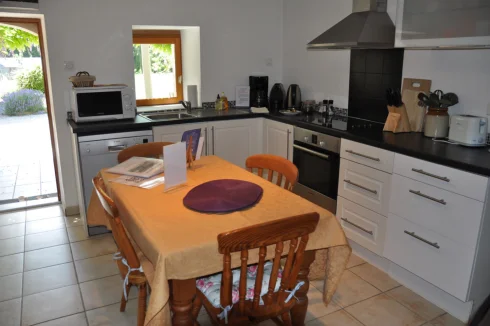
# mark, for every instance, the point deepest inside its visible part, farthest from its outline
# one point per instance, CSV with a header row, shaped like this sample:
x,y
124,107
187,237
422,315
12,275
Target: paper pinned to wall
x,y
175,165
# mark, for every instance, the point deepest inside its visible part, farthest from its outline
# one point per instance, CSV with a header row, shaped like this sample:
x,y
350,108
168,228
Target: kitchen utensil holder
x,y
397,120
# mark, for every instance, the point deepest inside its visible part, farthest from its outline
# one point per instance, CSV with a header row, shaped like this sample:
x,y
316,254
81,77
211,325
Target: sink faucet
x,y
187,105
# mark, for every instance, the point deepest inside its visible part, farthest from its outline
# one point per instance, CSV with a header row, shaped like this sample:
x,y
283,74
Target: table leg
x,y
298,313
183,293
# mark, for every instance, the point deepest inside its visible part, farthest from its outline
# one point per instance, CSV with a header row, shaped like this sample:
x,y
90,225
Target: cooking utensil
x,y
393,97
452,98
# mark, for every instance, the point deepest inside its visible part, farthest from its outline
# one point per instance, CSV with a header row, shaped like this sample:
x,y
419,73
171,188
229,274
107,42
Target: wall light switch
x,y
488,109
69,65
268,62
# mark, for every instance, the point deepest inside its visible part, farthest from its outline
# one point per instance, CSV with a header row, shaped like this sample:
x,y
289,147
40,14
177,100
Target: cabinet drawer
x,y
441,211
457,181
365,186
435,258
367,155
362,225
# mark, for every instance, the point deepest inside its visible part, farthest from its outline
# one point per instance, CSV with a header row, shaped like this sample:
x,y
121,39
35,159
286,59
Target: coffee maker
x,y
259,86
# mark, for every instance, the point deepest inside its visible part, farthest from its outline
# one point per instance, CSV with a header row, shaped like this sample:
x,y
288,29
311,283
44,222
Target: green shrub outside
x,y
23,102
32,79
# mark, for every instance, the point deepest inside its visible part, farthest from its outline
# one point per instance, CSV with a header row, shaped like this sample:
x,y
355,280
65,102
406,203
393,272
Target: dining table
x,y
181,243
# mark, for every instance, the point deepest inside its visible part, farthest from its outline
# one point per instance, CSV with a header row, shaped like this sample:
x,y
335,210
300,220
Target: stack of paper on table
x,y
142,167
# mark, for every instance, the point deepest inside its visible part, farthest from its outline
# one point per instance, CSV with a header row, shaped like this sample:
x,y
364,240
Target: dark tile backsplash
x,y
371,73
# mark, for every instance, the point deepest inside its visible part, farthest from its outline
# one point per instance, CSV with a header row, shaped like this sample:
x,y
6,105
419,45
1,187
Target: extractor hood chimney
x,y
368,27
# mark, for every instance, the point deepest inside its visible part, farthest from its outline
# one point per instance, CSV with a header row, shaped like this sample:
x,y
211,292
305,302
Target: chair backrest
x,y
118,231
273,163
152,150
293,229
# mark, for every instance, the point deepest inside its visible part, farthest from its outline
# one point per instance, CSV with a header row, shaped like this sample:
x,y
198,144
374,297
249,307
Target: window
x,y
157,67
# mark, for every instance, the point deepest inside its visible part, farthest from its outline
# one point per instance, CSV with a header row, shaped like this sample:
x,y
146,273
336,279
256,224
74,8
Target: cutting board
x,y
410,91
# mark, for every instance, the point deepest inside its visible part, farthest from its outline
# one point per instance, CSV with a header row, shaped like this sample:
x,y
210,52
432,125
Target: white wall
x,y
191,60
324,73
236,38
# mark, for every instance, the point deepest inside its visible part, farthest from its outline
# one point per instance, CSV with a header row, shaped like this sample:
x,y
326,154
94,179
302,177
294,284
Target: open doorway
x,y
28,171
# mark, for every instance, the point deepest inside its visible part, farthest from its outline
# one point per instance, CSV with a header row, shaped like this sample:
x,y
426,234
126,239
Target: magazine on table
x,y
139,181
196,136
142,167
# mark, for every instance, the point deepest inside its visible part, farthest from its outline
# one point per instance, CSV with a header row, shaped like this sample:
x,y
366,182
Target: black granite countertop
x,y
475,160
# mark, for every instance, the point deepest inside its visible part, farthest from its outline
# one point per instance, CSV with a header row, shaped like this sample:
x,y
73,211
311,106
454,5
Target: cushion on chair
x,y
210,286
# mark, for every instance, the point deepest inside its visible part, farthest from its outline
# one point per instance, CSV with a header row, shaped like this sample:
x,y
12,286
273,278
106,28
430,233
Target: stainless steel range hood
x,y
368,27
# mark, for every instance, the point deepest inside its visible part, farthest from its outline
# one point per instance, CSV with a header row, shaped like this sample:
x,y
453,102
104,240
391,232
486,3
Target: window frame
x,y
163,37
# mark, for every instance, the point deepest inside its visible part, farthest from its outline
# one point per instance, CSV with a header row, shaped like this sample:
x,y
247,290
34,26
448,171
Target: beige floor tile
x,y
47,257
383,310
103,292
11,246
354,260
28,190
316,307
73,320
44,225
12,264
48,187
46,239
12,218
45,212
72,221
375,276
318,284
111,315
352,289
77,233
93,247
94,268
339,318
12,231
10,312
49,305
415,303
49,278
445,320
10,287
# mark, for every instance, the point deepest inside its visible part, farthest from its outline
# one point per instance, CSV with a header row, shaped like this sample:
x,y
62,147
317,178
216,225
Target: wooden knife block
x,y
397,120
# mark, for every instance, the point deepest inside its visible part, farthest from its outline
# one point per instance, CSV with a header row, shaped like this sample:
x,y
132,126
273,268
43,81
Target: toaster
x,y
468,130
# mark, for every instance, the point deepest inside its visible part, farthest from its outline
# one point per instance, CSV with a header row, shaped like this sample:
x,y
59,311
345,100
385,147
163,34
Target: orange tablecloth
x,y
182,244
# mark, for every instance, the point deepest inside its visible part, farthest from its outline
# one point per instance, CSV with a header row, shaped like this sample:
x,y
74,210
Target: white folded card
x,y
175,165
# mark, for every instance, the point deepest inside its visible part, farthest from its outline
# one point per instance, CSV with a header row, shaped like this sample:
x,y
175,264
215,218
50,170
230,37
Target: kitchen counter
x,y
475,160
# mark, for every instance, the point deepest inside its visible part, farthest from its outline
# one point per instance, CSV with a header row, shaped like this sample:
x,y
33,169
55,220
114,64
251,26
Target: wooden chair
x,y
136,276
294,229
153,150
276,164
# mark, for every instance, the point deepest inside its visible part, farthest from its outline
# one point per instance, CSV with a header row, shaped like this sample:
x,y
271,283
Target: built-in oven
x,y
317,157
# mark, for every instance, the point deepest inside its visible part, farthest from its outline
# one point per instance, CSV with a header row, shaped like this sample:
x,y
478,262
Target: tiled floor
x,y
52,275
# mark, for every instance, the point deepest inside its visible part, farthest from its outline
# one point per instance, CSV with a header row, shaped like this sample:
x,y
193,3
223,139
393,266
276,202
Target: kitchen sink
x,y
158,116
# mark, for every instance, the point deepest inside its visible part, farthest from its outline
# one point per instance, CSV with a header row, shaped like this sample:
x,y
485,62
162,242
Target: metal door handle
x,y
418,193
362,155
212,137
287,150
362,187
304,149
116,148
431,175
206,139
433,244
357,226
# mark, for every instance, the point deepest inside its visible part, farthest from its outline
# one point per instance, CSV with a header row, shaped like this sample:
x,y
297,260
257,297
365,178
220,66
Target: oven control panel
x,y
316,139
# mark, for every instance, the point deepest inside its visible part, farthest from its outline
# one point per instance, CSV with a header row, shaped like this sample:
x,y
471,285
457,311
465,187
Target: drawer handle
x,y
418,193
431,175
433,244
362,187
357,226
362,155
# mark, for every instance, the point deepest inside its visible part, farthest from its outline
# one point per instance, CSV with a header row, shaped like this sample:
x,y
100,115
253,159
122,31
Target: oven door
x,y
318,175
98,105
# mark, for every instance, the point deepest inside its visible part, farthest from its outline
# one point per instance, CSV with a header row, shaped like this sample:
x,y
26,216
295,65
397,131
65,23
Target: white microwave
x,y
102,103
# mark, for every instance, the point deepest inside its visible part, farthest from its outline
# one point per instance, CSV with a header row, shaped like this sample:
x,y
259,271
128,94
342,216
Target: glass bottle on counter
x,y
224,102
217,104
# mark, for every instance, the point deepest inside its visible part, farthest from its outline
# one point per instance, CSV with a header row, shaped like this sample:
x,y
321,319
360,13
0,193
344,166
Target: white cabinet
x,y
442,23
278,139
173,133
235,140
232,140
367,155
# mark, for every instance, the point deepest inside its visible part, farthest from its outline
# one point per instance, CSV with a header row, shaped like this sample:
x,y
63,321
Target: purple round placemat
x,y
223,196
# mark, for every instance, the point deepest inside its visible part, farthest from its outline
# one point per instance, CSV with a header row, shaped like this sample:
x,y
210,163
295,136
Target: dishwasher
x,y
100,151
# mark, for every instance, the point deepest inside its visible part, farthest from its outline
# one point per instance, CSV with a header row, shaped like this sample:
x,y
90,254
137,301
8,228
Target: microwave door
x,y
97,104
